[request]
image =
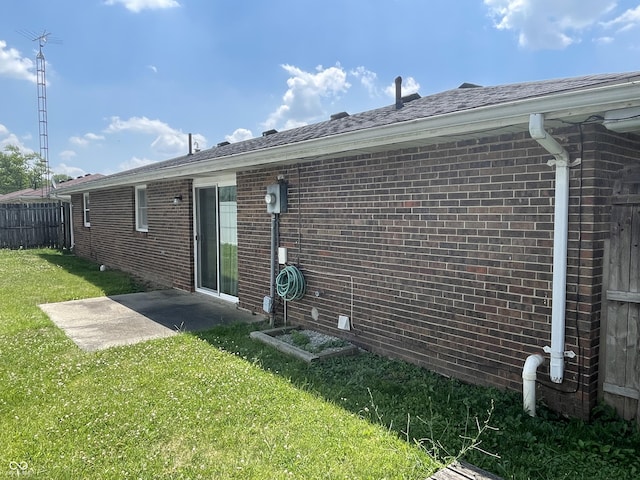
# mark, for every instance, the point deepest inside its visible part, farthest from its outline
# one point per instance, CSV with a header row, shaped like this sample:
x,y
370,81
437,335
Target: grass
x,y
172,408
220,405
444,415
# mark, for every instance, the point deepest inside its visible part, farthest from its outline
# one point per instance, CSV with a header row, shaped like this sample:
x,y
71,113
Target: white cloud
x,y
239,135
303,102
548,24
93,136
367,78
14,65
85,139
168,141
65,169
409,86
135,162
139,5
626,21
67,154
7,138
603,40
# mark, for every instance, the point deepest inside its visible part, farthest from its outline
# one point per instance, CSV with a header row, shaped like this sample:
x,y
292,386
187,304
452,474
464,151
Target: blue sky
x,y
127,80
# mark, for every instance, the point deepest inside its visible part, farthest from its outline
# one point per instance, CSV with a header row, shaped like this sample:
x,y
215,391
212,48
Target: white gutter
x,y
564,105
529,383
560,234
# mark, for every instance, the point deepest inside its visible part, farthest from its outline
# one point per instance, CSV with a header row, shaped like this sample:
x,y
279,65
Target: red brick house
x,y
463,231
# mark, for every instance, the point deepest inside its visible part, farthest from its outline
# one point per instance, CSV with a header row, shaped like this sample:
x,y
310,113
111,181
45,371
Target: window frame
x,y
138,208
86,209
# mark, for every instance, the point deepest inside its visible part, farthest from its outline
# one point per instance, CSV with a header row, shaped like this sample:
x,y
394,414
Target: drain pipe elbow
x,y
540,135
529,383
560,240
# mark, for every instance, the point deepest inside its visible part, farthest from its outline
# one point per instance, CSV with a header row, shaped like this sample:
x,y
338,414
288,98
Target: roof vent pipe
x,y
560,234
398,93
190,145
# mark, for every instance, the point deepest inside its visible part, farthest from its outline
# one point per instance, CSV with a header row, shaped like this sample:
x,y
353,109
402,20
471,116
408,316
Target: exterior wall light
x,y
177,200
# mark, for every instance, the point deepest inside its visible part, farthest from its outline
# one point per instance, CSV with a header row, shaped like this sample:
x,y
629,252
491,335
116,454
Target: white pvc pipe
x,y
529,383
560,235
559,293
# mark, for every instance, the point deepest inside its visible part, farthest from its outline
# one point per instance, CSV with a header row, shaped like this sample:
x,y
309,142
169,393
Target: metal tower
x,y
42,109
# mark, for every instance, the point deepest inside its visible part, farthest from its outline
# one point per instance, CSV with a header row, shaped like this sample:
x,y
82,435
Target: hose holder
x,y
290,283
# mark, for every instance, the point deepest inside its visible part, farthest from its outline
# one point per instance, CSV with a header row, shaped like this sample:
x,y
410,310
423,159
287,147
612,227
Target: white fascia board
x,y
564,105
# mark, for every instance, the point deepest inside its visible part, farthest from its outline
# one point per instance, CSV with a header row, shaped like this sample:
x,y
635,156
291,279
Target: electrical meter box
x,y
276,198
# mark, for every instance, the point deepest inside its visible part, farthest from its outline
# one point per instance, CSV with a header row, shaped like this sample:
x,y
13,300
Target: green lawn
x,y
220,405
172,408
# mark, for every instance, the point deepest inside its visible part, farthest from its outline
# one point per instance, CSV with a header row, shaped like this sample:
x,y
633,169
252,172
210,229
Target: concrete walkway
x,y
103,322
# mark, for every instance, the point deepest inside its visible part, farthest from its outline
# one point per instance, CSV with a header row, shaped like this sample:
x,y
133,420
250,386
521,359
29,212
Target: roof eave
x,y
565,106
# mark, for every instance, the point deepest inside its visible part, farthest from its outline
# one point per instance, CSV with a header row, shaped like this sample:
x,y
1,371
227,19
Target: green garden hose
x,y
290,283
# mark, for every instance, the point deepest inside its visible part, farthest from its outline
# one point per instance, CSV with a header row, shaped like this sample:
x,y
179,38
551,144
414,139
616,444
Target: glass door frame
x,y
226,180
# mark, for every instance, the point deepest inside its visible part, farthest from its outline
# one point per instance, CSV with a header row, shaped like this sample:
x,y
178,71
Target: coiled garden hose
x,y
290,283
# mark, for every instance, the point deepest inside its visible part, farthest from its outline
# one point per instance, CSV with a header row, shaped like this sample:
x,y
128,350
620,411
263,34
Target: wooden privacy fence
x,y
620,328
27,225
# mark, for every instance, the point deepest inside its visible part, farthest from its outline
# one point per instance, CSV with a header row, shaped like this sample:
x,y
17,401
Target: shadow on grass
x,y
412,402
444,414
111,282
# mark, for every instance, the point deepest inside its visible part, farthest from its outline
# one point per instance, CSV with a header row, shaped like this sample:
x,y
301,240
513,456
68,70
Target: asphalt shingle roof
x,y
449,101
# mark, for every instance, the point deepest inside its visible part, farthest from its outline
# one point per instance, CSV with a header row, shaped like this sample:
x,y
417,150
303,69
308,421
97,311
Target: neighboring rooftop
x,y
39,194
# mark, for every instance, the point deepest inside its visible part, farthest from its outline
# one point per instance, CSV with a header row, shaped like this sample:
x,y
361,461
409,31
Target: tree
x,y
20,170
60,177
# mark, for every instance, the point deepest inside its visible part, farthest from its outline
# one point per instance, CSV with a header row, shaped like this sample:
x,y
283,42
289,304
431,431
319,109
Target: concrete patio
x,y
103,322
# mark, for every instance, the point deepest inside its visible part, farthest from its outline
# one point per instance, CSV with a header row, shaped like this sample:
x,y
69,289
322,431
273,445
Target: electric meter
x,y
276,198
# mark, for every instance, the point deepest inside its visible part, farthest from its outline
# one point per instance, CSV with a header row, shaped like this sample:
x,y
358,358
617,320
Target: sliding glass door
x,y
216,240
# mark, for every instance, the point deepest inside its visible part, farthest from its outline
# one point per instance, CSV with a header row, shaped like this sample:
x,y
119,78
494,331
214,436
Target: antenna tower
x,y
43,129
42,109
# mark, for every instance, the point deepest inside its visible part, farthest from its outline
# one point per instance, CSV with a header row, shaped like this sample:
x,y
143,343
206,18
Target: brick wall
x,y
163,255
443,255
440,255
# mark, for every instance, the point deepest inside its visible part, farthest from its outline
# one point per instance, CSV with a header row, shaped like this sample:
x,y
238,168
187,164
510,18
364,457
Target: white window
x,y
142,223
85,209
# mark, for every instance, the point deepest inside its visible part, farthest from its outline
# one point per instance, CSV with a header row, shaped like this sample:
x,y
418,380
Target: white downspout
x,y
560,234
529,383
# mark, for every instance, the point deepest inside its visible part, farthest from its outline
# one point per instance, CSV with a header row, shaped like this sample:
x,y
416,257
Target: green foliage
x,y
60,177
299,339
20,170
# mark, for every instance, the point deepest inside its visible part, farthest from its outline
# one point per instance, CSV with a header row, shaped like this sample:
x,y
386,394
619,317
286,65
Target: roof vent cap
x,y
410,98
469,85
339,115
